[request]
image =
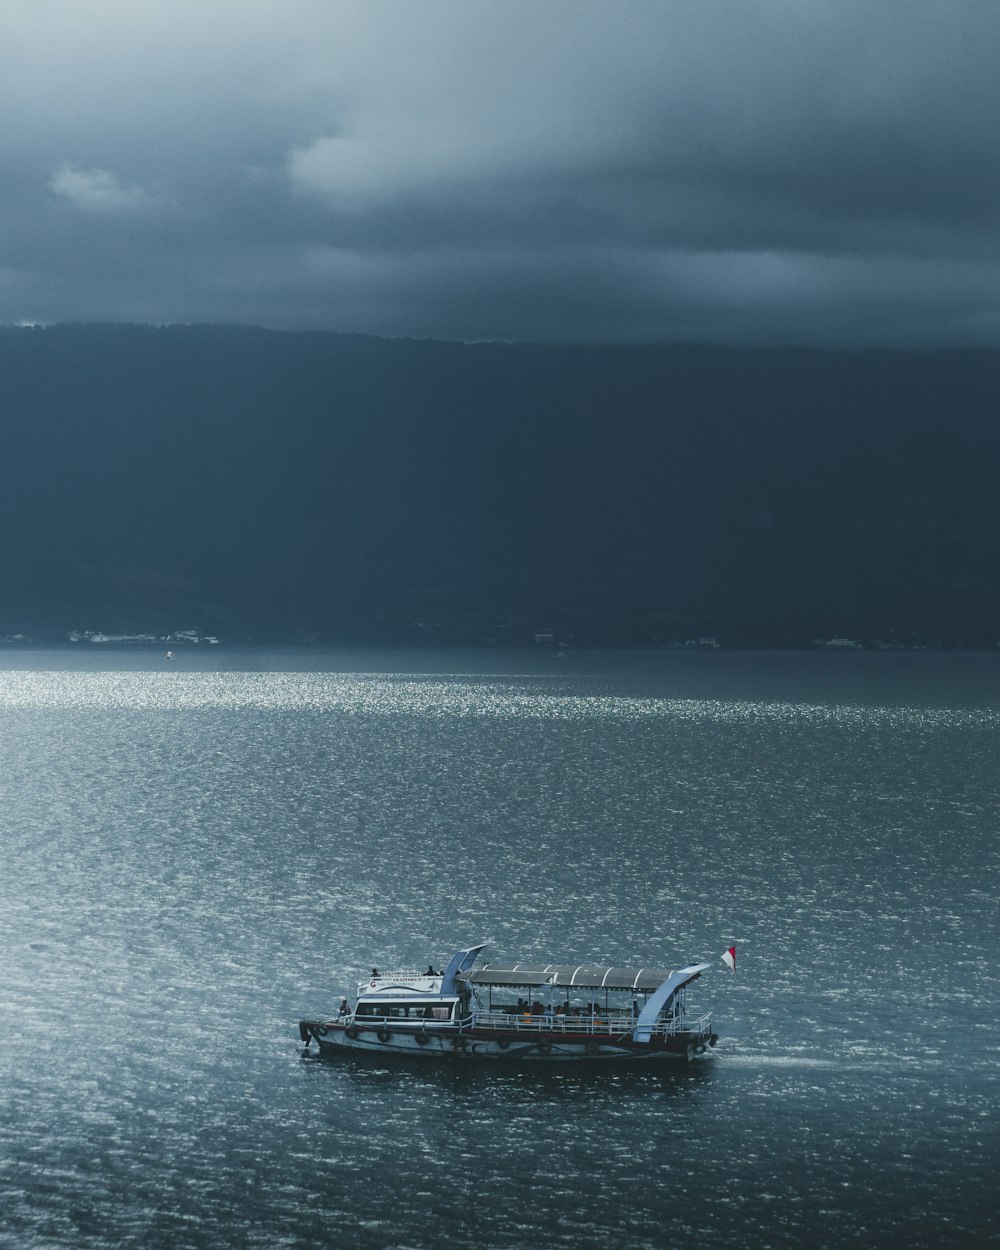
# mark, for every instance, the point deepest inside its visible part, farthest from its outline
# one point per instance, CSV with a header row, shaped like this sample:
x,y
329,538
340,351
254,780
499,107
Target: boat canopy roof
x,y
571,976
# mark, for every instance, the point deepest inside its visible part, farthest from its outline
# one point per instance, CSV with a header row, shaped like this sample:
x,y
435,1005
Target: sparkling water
x,y
198,852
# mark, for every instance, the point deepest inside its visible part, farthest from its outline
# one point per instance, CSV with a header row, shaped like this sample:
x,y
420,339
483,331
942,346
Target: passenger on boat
x,y
430,971
344,1009
375,972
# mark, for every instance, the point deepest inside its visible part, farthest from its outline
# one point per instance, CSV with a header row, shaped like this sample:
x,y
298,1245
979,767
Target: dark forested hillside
x,y
268,484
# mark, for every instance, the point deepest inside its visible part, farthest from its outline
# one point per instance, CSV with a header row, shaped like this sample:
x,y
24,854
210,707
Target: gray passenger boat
x,y
524,1012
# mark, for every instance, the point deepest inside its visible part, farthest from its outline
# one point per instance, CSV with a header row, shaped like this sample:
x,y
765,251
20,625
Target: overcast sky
x,y
757,171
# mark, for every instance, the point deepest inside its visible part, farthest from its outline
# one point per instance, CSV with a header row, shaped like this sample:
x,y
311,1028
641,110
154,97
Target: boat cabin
x,y
407,996
531,998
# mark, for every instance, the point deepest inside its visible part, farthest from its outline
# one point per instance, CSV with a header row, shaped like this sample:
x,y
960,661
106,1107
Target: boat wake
x,y
776,1061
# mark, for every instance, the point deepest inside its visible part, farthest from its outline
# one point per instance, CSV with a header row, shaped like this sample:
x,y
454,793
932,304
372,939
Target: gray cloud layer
x,y
734,170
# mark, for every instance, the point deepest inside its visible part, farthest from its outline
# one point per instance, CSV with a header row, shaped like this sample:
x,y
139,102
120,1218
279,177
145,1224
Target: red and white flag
x,y
729,958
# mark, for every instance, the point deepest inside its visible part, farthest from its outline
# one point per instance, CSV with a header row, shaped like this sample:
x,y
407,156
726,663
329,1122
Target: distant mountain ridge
x,y
257,483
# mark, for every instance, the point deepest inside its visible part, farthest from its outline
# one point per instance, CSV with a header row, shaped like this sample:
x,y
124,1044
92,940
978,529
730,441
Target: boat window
x,y
405,1011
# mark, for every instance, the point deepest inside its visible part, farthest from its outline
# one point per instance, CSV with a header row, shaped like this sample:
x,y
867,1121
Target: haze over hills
x,y
274,485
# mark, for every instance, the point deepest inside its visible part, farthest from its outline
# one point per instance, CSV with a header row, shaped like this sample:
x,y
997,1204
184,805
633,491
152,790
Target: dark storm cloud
x,y
737,171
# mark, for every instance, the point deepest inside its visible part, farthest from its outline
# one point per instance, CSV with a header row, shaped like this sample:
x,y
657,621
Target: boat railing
x,y
405,974
607,1024
612,1023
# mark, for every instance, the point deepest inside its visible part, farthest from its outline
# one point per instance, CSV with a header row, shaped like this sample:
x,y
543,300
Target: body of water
x,y
197,853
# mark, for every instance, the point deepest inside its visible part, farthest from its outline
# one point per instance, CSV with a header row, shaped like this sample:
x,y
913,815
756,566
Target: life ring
x,y
592,1048
322,1030
545,1048
422,1039
383,1035
700,1048
503,1042
351,1032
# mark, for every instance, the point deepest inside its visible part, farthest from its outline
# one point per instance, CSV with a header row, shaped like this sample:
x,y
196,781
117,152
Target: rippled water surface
x,y
197,854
